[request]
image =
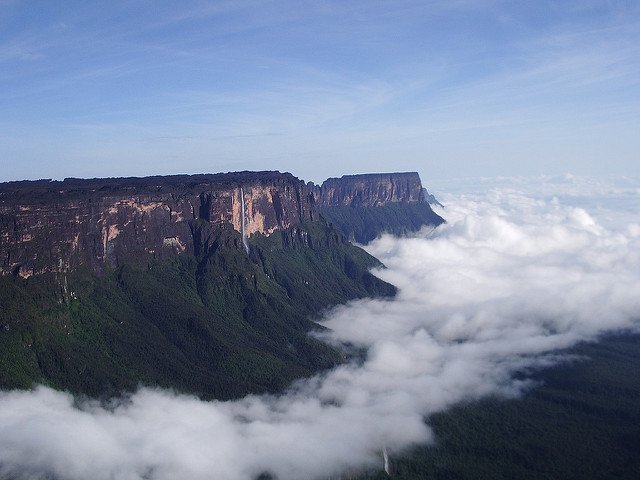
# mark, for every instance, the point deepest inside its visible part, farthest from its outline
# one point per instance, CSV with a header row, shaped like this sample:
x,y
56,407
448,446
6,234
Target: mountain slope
x,y
220,325
365,206
107,284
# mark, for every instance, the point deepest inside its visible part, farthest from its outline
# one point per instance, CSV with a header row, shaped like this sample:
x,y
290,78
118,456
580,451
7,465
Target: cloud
x,y
520,271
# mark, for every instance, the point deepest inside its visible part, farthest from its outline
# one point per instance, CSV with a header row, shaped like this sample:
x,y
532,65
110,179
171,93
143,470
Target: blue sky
x,y
447,88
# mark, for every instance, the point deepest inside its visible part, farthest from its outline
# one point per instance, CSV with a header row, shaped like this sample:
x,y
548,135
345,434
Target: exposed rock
x,y
50,226
363,207
431,199
369,190
59,226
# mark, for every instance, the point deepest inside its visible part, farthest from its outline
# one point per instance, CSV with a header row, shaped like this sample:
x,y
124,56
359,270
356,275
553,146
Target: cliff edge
x,y
365,206
59,226
206,284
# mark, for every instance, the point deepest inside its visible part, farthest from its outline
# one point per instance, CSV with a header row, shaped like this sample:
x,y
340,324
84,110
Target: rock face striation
x,y
58,226
369,190
52,226
365,206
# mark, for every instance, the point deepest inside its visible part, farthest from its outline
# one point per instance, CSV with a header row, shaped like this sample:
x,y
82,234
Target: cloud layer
x,y
518,273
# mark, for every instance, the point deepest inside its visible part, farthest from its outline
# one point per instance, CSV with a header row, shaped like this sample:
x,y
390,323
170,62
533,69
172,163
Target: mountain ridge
x,y
58,226
109,284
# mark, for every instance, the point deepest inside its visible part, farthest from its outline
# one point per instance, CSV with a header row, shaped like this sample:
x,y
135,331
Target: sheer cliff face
x,y
101,223
268,207
60,226
364,207
369,190
93,231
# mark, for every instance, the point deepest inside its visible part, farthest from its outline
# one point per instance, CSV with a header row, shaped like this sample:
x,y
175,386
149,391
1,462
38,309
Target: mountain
x,y
204,283
365,206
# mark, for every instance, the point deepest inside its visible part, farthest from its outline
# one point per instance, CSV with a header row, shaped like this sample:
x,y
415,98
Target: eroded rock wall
x,y
59,226
369,190
364,207
53,226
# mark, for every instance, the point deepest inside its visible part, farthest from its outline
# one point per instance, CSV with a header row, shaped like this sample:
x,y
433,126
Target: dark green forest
x,y
364,224
582,421
220,324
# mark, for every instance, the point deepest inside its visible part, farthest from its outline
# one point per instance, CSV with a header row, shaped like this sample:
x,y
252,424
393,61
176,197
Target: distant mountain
x,y
207,283
365,206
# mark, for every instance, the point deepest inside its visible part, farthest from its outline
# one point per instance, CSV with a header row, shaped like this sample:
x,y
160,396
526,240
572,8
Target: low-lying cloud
x,y
517,274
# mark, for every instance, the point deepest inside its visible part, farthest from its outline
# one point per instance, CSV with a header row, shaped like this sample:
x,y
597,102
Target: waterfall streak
x,y
385,456
242,214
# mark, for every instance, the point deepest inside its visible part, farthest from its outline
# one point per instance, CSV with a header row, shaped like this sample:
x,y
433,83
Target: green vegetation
x,y
364,224
219,325
583,422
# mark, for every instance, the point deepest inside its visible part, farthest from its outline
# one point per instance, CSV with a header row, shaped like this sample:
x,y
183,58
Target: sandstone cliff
x,y
51,226
369,190
112,283
365,206
59,226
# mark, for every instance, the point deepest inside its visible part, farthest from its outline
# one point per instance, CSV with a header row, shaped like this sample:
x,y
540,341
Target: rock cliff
x,y
111,283
59,226
51,226
369,190
363,207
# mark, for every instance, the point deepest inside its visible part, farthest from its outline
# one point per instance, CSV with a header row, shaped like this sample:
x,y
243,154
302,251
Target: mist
x,y
522,270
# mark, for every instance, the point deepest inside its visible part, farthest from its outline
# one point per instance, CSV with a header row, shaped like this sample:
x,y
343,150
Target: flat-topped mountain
x,y
369,190
57,226
207,284
365,206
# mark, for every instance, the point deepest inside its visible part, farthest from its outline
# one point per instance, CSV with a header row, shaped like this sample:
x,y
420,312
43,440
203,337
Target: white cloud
x,y
519,272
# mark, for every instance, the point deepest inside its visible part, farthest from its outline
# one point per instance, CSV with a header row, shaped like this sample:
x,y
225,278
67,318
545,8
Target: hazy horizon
x,y
446,88
520,117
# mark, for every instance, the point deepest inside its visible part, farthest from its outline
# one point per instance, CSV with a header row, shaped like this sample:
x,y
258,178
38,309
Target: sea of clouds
x,y
523,269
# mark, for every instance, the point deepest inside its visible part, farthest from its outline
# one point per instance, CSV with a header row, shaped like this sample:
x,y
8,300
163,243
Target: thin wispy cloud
x,y
331,77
